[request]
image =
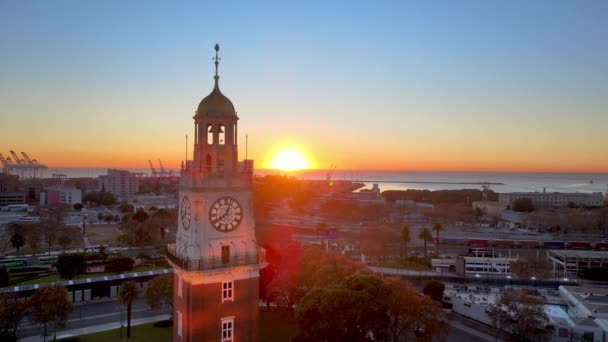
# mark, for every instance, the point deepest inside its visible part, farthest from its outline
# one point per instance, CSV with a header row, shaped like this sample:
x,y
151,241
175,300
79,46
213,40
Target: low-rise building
x,y
483,265
61,195
554,199
490,208
145,202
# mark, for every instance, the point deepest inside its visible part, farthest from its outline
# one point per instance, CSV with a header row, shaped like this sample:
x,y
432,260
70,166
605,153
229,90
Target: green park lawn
x,y
275,326
101,234
144,332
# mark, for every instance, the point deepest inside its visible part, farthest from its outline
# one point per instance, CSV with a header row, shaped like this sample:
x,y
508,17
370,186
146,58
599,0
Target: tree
x,y
140,216
50,305
521,313
128,293
405,239
434,289
353,311
414,315
284,291
49,234
64,240
426,236
69,265
99,198
430,322
17,241
160,292
437,228
34,236
78,206
125,207
523,204
119,264
12,311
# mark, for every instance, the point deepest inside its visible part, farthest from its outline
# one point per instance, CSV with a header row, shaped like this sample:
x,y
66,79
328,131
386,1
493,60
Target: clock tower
x,y
215,257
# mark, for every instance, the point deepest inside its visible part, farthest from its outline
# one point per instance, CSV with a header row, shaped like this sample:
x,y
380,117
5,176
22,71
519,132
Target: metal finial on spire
x,y
217,59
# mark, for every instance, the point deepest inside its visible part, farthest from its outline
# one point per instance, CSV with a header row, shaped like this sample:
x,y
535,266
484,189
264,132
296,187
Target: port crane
x,y
24,167
154,173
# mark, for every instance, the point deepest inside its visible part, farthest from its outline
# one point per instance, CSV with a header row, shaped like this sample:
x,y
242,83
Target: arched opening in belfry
x,y
222,135
208,163
209,134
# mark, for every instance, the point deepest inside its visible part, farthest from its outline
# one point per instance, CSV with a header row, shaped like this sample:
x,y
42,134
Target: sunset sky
x,y
400,85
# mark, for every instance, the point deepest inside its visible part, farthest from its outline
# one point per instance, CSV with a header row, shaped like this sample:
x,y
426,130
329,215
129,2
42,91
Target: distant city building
x,y
483,265
370,196
554,199
9,190
61,195
489,208
121,183
158,201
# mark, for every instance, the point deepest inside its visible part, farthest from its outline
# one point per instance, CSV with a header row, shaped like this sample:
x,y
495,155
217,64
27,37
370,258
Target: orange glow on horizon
x,y
289,159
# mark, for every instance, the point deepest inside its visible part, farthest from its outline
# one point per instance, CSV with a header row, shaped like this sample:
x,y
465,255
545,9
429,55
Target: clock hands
x,y
227,210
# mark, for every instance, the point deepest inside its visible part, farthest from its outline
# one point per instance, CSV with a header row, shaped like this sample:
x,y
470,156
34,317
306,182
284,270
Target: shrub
x,y
119,264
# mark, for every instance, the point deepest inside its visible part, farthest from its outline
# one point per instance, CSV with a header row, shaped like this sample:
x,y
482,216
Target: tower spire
x,y
216,60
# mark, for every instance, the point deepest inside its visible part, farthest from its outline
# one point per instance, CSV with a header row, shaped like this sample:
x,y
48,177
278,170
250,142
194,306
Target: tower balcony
x,y
209,264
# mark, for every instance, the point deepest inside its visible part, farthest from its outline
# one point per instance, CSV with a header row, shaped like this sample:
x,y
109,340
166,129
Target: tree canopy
x,y
522,313
523,204
159,292
12,311
69,265
99,198
50,305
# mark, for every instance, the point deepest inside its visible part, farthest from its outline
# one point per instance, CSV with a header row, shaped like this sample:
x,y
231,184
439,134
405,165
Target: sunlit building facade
x,y
215,256
554,199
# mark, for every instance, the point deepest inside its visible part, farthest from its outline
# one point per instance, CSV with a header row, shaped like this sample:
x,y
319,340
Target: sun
x,y
289,159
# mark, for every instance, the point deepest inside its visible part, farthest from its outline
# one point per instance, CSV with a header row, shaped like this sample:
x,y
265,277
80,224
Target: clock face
x,y
225,214
186,213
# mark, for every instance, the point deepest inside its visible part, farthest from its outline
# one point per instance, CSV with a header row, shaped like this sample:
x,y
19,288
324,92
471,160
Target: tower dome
x,y
216,103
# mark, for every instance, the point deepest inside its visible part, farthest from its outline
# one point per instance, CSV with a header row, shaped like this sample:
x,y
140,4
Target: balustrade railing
x,y
205,264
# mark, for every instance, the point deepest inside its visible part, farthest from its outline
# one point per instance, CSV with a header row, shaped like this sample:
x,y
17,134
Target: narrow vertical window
x,y
228,329
209,135
227,291
225,254
222,135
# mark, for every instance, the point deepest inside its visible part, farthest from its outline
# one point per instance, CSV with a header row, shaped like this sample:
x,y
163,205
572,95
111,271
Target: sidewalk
x,y
96,328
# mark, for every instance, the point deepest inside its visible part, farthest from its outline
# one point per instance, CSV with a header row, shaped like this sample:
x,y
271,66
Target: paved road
x,y
460,333
85,315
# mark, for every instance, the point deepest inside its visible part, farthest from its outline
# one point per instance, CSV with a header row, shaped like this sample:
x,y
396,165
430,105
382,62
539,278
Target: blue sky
x,y
469,85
